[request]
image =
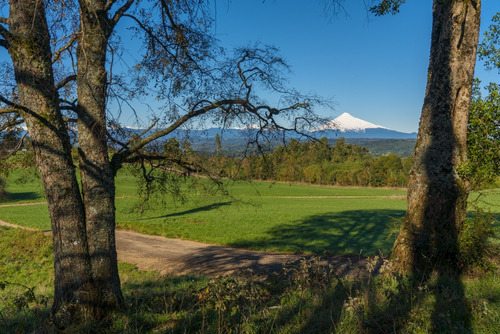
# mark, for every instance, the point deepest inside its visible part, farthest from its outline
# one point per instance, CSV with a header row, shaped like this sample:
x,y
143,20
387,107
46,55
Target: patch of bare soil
x,y
22,204
175,256
178,257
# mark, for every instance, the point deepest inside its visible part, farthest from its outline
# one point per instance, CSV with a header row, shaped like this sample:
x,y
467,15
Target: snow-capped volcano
x,y
347,122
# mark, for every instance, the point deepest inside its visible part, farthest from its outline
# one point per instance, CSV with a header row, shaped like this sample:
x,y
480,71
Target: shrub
x,y
474,241
2,187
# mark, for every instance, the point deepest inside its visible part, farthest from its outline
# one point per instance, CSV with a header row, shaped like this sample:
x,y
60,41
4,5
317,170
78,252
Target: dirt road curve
x,y
175,256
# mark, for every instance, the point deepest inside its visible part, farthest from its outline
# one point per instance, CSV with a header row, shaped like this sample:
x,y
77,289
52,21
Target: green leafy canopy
x,y
483,138
489,49
387,7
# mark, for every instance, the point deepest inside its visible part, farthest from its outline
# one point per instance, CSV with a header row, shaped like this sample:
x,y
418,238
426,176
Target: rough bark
x,y
437,195
29,48
97,178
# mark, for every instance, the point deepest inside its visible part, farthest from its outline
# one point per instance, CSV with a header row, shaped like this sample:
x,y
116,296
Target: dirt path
x,y
22,204
178,257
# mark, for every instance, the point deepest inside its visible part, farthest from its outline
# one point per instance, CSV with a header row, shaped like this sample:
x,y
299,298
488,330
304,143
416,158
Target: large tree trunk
x,y
437,195
29,47
97,177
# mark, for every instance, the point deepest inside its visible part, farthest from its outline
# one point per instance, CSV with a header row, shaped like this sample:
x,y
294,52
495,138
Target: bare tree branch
x,y
144,132
70,120
133,149
169,15
71,42
18,145
179,28
4,32
4,43
11,123
5,20
116,141
10,110
150,33
109,4
119,13
65,81
19,107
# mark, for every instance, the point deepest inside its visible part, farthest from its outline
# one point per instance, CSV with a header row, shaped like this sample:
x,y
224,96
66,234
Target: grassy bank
x,y
302,298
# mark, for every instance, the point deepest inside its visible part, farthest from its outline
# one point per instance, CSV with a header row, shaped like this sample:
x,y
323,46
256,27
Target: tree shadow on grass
x,y
21,196
149,299
353,232
191,211
495,217
432,304
440,296
237,303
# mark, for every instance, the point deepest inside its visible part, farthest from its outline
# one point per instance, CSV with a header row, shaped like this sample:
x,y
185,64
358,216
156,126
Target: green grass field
x,y
257,215
260,215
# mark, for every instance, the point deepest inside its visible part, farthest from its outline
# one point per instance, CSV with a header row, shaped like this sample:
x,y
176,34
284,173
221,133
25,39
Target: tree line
x,y
317,162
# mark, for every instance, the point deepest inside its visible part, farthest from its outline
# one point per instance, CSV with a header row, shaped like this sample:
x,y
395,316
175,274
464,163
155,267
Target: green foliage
x,y
2,187
9,139
240,148
377,147
309,298
387,7
399,304
14,152
23,256
483,142
475,241
305,297
483,137
489,48
317,162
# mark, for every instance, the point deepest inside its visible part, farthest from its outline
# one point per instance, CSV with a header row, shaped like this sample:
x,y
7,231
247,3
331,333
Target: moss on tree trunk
x,y
97,177
29,47
437,195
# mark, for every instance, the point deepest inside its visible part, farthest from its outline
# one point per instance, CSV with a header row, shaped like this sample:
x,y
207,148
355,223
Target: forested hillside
x,y
317,162
235,147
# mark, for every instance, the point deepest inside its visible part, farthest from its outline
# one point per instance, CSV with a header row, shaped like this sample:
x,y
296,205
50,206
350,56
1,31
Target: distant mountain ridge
x,y
377,138
345,125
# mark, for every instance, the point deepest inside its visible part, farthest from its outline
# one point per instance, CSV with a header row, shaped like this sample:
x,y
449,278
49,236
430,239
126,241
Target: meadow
x,y
304,297
256,215
279,217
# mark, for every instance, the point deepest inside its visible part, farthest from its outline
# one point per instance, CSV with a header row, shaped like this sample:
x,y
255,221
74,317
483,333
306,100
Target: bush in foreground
x,y
2,187
474,242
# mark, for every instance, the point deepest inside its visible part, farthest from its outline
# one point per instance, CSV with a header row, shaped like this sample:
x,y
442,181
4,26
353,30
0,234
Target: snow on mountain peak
x,y
246,127
347,122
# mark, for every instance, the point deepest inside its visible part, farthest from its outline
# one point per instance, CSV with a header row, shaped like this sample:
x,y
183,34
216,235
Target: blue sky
x,y
374,67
